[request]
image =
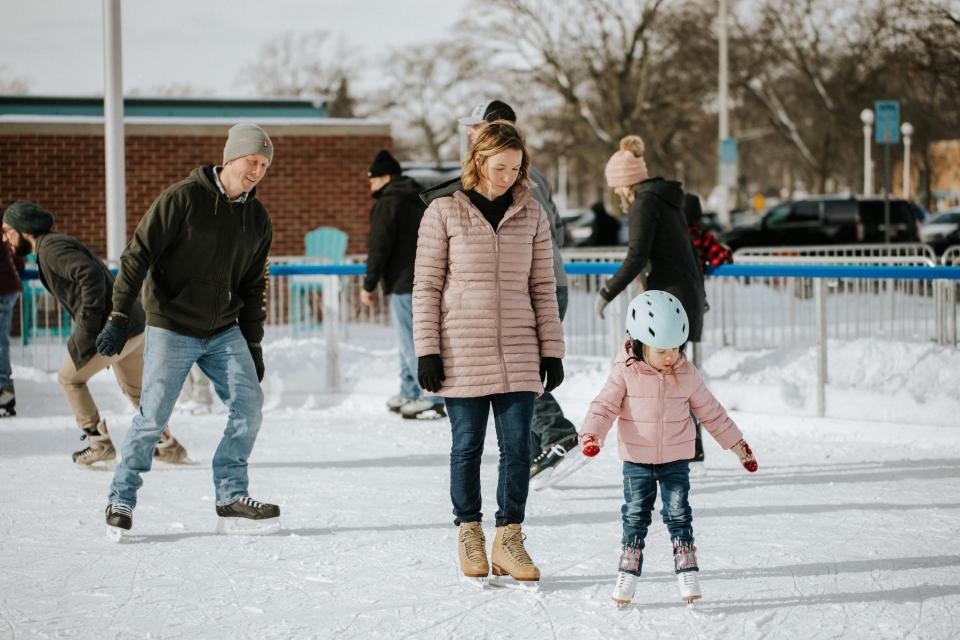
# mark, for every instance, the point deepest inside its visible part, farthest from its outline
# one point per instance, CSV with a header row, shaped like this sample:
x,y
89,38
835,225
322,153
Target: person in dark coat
x,y
657,233
10,288
83,285
605,229
200,256
391,254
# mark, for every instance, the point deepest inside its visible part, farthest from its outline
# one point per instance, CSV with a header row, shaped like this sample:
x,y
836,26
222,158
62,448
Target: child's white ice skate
x,y
689,586
687,569
625,588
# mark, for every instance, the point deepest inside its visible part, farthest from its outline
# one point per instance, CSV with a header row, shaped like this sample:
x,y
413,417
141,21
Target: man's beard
x,y
23,248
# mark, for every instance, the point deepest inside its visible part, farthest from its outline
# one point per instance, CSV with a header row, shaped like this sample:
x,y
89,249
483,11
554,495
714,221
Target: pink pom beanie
x,y
626,167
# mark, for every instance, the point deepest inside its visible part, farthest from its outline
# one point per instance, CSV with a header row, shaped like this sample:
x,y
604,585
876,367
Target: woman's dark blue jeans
x,y
640,493
512,415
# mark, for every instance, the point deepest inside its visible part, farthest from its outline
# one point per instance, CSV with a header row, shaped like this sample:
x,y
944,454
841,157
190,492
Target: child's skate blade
x,y
247,526
116,534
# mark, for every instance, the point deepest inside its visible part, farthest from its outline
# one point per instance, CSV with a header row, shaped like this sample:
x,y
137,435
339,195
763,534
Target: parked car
x,y
429,175
828,220
940,225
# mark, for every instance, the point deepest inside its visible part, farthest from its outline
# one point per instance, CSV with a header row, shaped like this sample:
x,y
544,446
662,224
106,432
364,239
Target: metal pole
x,y
866,116
907,130
723,211
886,193
115,169
821,304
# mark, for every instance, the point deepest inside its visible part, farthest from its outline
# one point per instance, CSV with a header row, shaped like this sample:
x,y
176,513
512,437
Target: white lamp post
x,y
906,130
866,117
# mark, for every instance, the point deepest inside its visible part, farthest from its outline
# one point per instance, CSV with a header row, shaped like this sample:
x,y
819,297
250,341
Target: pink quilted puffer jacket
x,y
654,411
486,302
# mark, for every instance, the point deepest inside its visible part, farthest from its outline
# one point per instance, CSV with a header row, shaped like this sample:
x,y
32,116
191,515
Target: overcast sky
x,y
56,45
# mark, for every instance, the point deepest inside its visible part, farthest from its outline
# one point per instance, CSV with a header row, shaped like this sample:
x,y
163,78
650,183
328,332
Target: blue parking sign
x,y
887,129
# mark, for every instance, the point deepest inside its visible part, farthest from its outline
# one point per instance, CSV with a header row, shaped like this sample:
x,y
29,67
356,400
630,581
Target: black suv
x,y
828,220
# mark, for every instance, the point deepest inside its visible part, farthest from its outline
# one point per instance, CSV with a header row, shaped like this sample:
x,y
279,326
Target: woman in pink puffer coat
x,y
486,328
653,390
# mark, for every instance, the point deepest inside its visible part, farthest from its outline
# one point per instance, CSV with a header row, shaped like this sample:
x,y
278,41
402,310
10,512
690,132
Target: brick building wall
x,y
318,178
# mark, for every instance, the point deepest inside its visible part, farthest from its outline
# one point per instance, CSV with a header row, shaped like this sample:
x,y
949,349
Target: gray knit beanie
x,y
28,217
246,139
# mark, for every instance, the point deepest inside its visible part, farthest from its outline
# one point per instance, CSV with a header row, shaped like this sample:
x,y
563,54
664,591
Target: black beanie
x,y
28,217
384,165
691,208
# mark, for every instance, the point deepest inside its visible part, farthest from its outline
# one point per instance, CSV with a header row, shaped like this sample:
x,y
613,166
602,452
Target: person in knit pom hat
x,y
200,255
81,283
391,254
657,231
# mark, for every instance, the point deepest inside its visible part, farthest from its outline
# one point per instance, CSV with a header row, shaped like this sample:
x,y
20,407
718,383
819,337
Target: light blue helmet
x,y
657,319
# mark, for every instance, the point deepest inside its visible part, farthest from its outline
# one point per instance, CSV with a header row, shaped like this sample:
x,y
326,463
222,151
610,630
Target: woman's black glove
x,y
551,373
430,372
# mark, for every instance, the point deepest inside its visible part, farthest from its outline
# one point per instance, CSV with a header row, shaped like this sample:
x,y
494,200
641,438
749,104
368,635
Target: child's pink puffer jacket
x,y
654,410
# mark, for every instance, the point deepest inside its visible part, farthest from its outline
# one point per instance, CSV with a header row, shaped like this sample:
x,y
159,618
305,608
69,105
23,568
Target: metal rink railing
x,y
745,311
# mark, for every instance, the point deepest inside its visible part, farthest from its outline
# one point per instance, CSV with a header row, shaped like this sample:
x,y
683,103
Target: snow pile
x,y
869,379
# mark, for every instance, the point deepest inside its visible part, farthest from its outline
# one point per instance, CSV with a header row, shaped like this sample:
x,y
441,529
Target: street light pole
x,y
906,130
866,117
723,211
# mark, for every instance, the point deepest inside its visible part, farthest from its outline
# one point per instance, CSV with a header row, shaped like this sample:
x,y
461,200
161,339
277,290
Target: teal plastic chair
x,y
327,245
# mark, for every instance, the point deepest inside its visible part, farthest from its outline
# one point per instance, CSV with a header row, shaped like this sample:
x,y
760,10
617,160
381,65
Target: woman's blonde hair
x,y
492,139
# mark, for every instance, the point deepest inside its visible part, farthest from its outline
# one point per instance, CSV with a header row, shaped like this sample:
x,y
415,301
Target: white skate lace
x,y
250,502
624,580
120,509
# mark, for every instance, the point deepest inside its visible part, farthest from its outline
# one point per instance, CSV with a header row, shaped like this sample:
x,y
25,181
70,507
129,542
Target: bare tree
x,y
427,87
11,84
301,64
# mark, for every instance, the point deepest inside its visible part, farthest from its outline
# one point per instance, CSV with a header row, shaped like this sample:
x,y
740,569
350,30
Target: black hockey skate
x,y
552,455
8,402
423,409
119,520
246,516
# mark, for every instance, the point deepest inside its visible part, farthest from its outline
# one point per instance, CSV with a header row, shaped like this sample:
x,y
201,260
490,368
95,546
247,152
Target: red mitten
x,y
743,451
589,444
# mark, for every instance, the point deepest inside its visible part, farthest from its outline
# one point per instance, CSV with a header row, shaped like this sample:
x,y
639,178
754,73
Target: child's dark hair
x,y
637,347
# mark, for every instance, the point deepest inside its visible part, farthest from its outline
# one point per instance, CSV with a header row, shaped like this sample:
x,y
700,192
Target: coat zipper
x,y
503,363
660,419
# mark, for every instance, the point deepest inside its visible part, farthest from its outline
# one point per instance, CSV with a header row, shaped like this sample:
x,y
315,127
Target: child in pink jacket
x,y
653,390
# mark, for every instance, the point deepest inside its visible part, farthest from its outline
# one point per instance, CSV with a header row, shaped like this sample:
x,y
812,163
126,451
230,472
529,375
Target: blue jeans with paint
x,y
225,359
640,493
512,415
8,303
401,316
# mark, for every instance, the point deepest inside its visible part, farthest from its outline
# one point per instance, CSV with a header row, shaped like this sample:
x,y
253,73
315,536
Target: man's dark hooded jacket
x,y
392,243
658,233
81,282
207,258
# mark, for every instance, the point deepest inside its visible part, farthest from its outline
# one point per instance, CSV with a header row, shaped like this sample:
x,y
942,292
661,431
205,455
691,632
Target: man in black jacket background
x,y
83,285
391,254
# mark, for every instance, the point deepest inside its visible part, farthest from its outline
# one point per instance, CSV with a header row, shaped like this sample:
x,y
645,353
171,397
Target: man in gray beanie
x,y
82,284
200,254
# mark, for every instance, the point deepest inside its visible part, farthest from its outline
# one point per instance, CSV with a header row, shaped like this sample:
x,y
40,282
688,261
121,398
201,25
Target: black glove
x,y
551,373
113,336
430,372
257,352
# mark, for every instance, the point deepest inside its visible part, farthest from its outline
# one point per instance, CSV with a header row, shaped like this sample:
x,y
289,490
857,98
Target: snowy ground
x,y
849,529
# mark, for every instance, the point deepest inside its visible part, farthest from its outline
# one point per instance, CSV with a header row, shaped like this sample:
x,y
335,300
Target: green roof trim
x,y
167,107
